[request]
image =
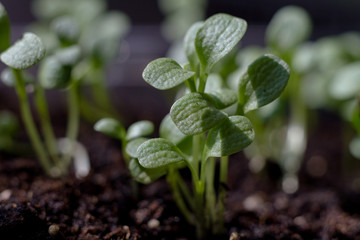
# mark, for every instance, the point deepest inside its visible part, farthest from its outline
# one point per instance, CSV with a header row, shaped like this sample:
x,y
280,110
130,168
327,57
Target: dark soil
x,y
104,205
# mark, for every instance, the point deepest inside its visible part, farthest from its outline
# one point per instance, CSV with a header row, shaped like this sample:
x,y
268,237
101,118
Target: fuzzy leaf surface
x,y
263,82
25,53
170,131
69,56
140,129
194,114
158,152
133,145
289,27
110,127
223,98
53,74
230,137
165,73
218,36
144,175
8,78
189,43
4,29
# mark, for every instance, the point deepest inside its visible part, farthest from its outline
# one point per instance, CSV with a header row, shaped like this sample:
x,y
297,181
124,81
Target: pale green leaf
x,y
194,114
189,44
223,98
165,73
144,175
140,129
158,152
230,137
69,56
346,82
289,27
4,29
66,29
133,145
219,35
110,127
264,81
170,131
53,74
24,53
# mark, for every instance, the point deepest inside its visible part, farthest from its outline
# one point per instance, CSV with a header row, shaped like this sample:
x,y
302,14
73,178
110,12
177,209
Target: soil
x,y
104,205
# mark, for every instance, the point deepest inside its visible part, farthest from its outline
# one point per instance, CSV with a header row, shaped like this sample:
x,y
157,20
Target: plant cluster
x,y
200,126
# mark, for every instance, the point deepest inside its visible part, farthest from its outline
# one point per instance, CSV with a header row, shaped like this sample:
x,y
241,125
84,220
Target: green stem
x,y
224,163
73,114
210,193
178,198
203,78
46,126
185,191
29,122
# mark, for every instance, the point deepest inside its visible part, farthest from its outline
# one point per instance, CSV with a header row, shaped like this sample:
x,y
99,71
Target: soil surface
x,y
104,205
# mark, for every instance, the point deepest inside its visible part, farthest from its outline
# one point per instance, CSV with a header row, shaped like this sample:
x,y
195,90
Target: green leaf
x,y
8,78
133,145
189,44
53,74
263,82
4,29
158,152
66,29
24,53
140,129
346,82
144,175
222,98
110,127
219,35
289,27
170,131
230,137
194,114
165,73
69,56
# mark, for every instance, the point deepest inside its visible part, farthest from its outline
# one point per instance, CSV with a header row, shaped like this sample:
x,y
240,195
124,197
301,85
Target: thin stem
x,y
73,114
224,163
190,83
210,192
29,122
185,191
203,78
46,126
178,198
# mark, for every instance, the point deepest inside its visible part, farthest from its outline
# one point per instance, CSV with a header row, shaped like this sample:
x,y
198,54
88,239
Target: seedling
x,y
98,34
54,72
197,131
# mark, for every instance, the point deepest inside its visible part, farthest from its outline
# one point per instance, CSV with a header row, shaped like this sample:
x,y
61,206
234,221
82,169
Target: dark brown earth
x,y
104,206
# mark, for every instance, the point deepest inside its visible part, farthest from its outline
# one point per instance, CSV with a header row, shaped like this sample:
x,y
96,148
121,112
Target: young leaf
x,y
133,145
230,137
158,152
263,82
4,29
169,131
66,29
140,129
165,73
144,175
69,56
194,114
110,127
346,82
24,53
53,74
222,98
218,37
189,44
289,27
